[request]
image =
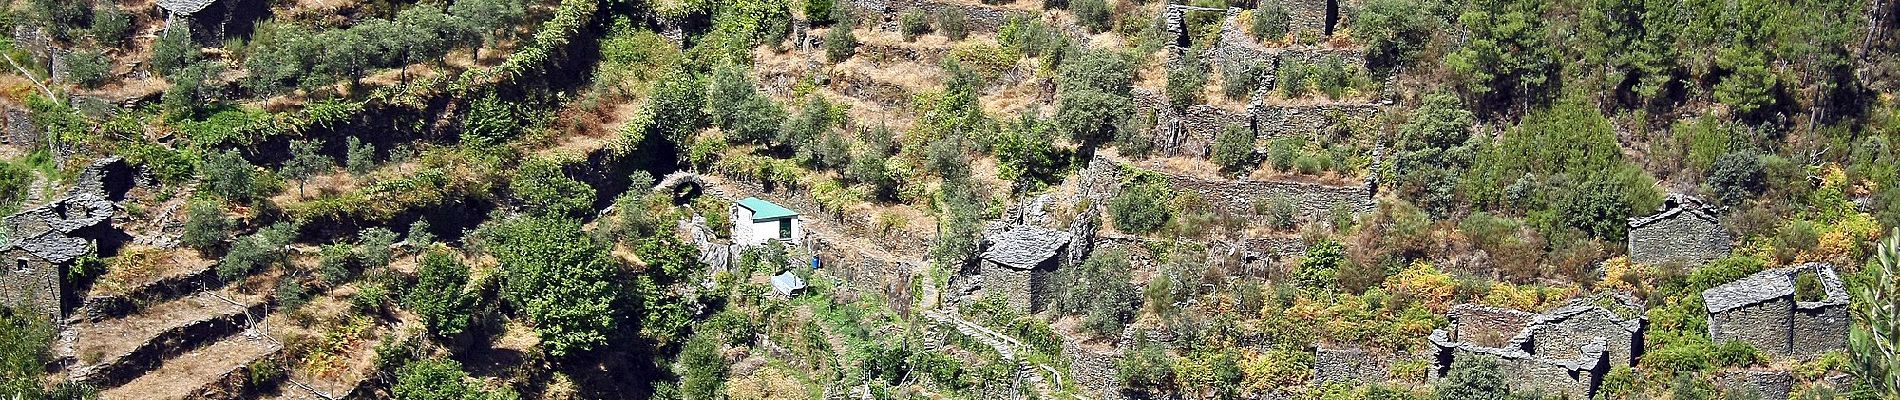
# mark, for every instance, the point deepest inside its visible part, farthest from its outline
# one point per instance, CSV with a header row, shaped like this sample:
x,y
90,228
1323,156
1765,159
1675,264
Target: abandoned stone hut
x,y
1018,263
1564,351
1797,312
1683,231
41,243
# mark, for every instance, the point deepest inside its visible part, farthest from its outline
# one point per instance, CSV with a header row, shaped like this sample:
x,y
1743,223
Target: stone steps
x,y
112,352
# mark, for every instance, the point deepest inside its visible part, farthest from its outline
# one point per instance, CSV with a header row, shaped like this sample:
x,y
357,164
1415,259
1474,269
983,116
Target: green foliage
x,y
678,106
173,49
305,161
702,368
62,19
1750,86
545,190
1571,151
88,68
1473,378
958,223
841,44
490,121
336,264
438,297
559,278
206,226
1294,78
1270,21
1186,80
1736,177
820,12
1875,346
1092,100
1026,153
1507,61
253,253
1142,206
227,175
1395,32
14,180
26,340
110,25
913,24
1094,14
1147,368
1100,291
1239,80
954,22
494,19
1431,150
1320,267
1637,40
1030,37
193,88
359,157
434,379
1233,149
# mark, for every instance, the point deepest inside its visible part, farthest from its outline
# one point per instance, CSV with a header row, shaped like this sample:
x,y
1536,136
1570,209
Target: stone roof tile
x,y
1024,246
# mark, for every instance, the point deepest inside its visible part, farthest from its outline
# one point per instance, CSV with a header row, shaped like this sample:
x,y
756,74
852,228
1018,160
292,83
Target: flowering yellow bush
x,y
1424,283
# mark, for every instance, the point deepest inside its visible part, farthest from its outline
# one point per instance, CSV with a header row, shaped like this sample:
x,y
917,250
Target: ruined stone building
x,y
1565,351
40,243
1684,231
1769,310
1018,263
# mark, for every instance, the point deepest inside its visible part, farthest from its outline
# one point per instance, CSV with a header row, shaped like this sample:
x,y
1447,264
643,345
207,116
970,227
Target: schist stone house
x,y
42,242
1564,351
1018,262
1771,311
756,222
1683,231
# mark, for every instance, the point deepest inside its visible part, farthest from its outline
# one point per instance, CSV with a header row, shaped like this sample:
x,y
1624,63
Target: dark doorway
x,y
1332,16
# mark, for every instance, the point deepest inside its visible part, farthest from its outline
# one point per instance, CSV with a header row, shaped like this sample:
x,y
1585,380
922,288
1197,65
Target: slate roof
x,y
1774,284
1678,204
186,7
1024,246
765,210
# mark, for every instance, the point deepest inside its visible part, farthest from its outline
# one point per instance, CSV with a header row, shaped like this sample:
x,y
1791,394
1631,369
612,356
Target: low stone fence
x,y
1092,370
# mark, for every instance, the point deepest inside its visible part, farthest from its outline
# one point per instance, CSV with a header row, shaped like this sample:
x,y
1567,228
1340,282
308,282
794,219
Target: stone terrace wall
x,y
1348,365
1191,131
861,86
1311,120
884,14
1487,326
1314,201
1091,370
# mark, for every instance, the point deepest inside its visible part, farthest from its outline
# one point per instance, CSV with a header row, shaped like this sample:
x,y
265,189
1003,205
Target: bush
x,y
560,279
1332,77
545,190
954,23
206,227
227,175
841,44
1319,269
438,294
1394,31
1473,378
1142,206
913,24
1293,78
490,121
1270,21
359,157
1186,79
110,25
1094,14
1736,177
820,12
1239,80
1281,211
702,367
1100,292
173,50
88,68
257,251
1233,148
433,379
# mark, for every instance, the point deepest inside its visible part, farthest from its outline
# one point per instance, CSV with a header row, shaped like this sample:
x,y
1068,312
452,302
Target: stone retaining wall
x,y
98,307
118,369
1093,371
1348,365
1191,131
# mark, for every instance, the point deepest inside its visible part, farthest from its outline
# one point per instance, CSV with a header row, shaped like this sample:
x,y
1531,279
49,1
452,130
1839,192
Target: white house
x,y
755,222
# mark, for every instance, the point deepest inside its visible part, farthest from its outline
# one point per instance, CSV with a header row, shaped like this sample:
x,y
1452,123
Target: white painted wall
x,y
748,233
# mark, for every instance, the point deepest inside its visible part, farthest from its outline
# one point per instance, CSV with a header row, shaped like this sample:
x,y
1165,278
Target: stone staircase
x,y
1010,348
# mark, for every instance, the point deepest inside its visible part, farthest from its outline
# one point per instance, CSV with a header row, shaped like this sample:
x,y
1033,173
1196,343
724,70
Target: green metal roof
x,y
766,211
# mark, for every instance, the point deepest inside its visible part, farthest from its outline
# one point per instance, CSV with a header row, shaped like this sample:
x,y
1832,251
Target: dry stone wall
x,y
1191,131
1683,231
1759,383
1348,365
1093,371
1763,311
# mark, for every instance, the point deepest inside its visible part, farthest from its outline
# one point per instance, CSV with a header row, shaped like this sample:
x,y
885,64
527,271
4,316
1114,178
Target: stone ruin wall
x,y
1314,201
1818,329
1486,326
884,14
858,85
1765,384
1762,325
1348,365
1191,131
31,283
1683,238
1565,339
1093,371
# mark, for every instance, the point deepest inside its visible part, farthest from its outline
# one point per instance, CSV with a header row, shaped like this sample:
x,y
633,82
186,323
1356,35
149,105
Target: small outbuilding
x,y
1798,311
756,222
1019,262
1683,231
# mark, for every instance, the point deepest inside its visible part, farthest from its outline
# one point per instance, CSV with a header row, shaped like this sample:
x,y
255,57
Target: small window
x,y
785,228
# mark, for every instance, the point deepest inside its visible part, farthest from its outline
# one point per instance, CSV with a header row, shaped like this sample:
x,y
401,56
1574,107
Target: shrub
x,y
1281,211
110,25
305,162
1394,31
1270,21
373,247
336,264
438,295
1094,14
954,23
257,251
1185,81
1233,148
702,367
206,227
433,379
841,44
1100,292
545,190
1332,77
1319,269
1473,378
1142,206
1238,80
359,156
913,24
227,175
678,106
173,50
1292,78
1736,177
820,12
88,68
559,278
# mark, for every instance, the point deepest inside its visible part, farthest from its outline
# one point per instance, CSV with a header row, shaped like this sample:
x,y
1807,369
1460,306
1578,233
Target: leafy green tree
x,y
420,235
1233,148
1637,41
193,88
61,18
959,224
373,247
336,264
1430,151
737,107
1186,80
702,368
227,175
564,282
206,226
1100,291
1875,342
1094,14
88,68
820,12
1294,78
438,296
14,180
110,25
360,156
1270,21
257,251
1142,206
1750,85
1394,31
1092,101
494,19
1319,269
281,58
305,162
1473,378
1026,153
1238,80
678,105
434,379
547,191
174,49
814,120
913,24
1507,62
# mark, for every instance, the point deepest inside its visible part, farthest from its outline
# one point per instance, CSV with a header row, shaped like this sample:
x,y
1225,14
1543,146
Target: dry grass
x,y
138,265
186,374
321,186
